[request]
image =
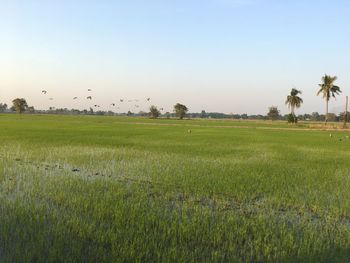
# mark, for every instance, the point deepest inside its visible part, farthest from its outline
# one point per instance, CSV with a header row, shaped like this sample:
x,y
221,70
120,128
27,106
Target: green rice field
x,y
117,189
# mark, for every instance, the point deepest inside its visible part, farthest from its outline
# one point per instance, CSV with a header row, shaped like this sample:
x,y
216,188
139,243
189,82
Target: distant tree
x,y
100,113
31,109
168,115
203,114
342,116
143,113
322,117
291,118
294,102
130,113
244,116
315,116
180,110
154,112
331,117
260,117
3,107
307,117
328,89
273,113
20,105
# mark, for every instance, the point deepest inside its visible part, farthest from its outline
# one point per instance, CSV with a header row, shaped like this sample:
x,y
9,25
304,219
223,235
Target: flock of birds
x,y
44,92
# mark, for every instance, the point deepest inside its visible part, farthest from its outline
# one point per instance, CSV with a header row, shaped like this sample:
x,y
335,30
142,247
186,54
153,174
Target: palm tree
x,y
328,89
294,101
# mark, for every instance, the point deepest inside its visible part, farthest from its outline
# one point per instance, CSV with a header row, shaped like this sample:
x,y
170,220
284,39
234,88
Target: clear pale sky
x,y
236,56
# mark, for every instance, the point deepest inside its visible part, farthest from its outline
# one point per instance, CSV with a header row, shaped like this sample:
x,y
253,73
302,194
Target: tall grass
x,y
96,189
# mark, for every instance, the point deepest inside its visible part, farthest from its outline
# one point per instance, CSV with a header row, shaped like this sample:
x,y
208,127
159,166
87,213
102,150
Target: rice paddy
x,y
114,189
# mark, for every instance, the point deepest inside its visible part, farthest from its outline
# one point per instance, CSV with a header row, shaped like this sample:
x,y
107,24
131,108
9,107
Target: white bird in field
x,y
330,135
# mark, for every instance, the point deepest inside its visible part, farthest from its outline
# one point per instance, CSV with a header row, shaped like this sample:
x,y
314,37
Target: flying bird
x,y
89,89
50,98
75,98
148,99
44,91
113,104
89,98
121,100
129,100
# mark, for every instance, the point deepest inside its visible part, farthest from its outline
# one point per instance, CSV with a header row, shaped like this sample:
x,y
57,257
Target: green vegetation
x,y
180,110
106,189
20,105
294,102
328,90
154,112
273,113
3,107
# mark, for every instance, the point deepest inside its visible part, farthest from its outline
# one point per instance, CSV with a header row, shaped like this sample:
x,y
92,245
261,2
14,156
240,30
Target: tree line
x,y
327,89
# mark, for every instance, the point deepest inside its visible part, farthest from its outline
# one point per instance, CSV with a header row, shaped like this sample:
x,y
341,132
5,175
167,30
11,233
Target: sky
x,y
232,56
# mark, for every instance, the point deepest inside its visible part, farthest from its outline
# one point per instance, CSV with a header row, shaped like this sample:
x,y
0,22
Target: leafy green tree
x,y
291,118
315,116
20,105
342,116
3,107
180,110
273,113
331,117
294,102
154,112
328,89
31,109
203,114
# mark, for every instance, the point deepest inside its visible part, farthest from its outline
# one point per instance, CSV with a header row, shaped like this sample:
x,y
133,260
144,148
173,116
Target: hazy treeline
x,y
315,116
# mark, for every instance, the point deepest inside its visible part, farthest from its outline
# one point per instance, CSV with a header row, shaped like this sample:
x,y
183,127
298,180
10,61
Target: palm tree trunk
x,y
293,114
326,117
